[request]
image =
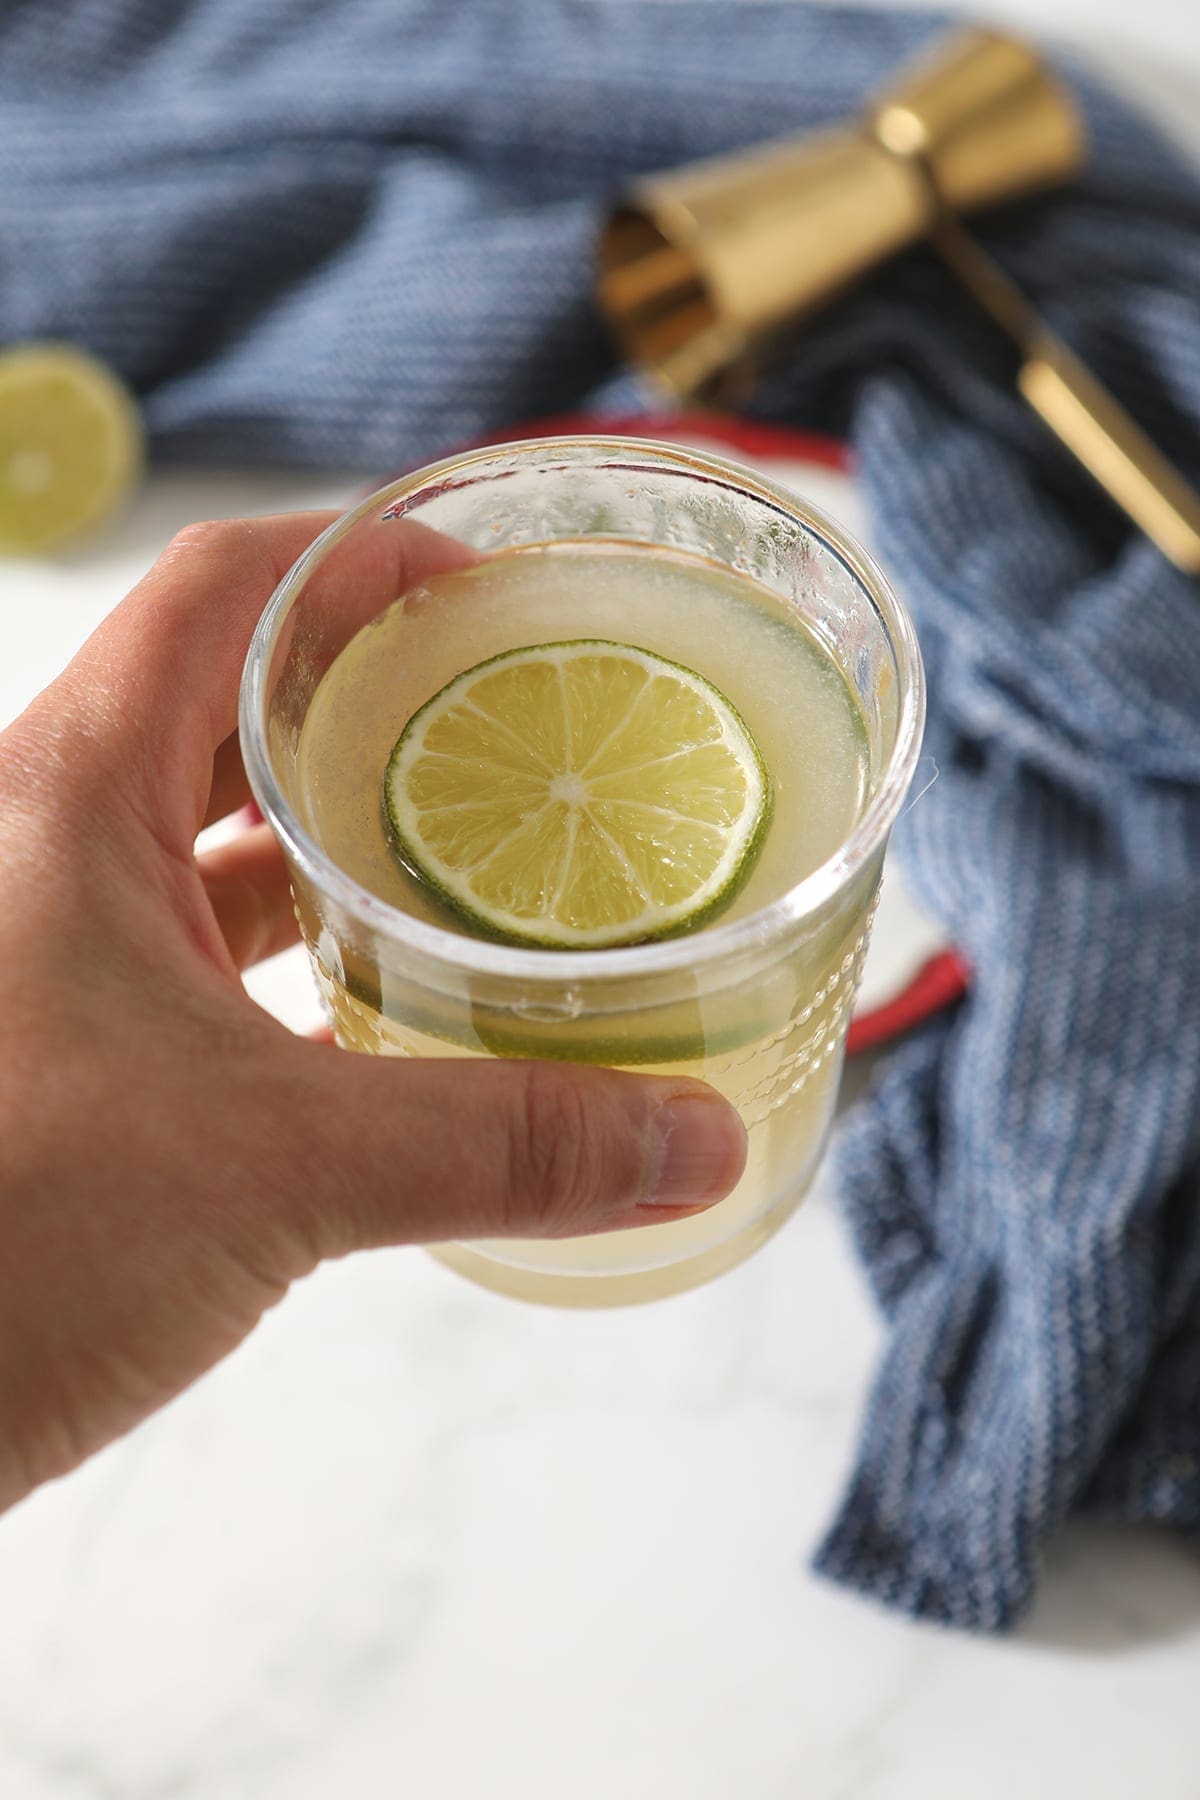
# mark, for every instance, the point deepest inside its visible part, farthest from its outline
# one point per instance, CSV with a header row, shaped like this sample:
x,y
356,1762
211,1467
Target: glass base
x,y
629,1288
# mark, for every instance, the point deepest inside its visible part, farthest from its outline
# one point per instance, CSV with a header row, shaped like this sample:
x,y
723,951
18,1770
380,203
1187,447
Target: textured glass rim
x,y
717,942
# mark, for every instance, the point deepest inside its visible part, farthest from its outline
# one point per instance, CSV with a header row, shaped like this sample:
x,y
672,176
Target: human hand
x,y
171,1158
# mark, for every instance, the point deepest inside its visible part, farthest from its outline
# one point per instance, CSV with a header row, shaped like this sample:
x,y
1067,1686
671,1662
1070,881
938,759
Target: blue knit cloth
x,y
357,232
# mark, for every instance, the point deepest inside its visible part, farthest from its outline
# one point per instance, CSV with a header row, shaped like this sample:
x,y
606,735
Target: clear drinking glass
x,y
757,1005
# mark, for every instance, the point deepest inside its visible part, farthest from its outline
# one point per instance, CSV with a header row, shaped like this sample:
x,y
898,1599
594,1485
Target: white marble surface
x,y
412,1539
415,1540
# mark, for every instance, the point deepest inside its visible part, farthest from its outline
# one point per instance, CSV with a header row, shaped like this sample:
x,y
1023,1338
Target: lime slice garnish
x,y
70,444
579,795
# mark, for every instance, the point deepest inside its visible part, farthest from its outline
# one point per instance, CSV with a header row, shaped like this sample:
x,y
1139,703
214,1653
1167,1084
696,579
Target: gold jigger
x,y
703,270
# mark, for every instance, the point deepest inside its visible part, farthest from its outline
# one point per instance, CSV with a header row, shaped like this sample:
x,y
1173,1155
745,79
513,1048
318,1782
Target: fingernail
x,y
701,1151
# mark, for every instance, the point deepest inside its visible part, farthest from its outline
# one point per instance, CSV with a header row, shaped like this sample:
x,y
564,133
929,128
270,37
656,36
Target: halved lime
x,y
70,444
579,795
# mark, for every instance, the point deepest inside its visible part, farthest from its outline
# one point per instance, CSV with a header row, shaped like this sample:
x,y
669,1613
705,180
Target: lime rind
x,y
657,921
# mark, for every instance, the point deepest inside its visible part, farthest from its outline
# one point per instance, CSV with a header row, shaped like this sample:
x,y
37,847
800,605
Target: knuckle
x,y
233,554
557,1166
204,538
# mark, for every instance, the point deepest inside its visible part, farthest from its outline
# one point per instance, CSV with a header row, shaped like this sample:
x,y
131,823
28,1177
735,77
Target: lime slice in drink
x,y
70,444
579,795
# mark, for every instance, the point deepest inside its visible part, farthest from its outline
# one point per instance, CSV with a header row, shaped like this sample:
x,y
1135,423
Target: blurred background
x,y
411,1536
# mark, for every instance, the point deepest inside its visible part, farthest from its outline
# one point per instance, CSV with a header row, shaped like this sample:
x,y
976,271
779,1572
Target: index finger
x,y
156,686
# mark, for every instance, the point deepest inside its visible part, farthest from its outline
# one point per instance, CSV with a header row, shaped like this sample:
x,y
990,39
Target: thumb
x,y
390,1152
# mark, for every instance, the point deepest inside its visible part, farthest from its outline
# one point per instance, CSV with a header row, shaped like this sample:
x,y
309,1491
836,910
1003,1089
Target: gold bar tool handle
x,y
1078,408
1111,446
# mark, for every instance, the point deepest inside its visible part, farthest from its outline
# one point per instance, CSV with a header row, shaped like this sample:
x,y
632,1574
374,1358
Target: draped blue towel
x,y
357,232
